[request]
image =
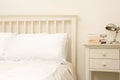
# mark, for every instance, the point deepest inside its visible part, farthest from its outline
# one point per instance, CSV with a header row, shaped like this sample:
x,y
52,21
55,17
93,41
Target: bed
x,y
38,47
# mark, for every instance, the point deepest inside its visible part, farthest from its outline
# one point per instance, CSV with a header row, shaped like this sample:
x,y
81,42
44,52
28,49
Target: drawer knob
x,y
104,65
104,55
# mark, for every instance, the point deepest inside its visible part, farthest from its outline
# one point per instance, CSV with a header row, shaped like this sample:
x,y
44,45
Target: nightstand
x,y
102,58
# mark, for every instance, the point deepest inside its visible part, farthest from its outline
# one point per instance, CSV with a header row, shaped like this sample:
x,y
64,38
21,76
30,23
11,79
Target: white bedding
x,y
35,70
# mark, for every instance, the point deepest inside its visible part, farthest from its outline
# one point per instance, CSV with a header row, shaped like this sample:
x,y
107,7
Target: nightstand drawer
x,y
104,53
104,64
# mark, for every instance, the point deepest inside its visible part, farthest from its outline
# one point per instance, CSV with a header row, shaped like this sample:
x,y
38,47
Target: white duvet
x,y
35,70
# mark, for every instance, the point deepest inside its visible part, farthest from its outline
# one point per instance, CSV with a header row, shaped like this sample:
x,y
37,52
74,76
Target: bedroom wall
x,y
93,15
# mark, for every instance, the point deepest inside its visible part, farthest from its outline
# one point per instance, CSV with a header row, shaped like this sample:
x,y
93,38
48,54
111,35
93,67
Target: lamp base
x,y
115,42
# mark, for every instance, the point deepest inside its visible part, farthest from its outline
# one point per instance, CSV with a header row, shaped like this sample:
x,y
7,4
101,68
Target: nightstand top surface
x,y
102,45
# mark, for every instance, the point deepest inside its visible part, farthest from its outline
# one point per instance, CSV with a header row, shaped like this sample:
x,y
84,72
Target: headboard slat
x,y
17,27
3,28
47,26
24,26
9,26
32,29
54,27
39,27
63,29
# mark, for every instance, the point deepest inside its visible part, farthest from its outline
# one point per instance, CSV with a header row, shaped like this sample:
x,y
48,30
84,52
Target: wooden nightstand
x,y
102,58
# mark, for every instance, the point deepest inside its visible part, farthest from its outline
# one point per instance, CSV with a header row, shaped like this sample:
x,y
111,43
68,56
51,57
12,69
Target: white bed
x,y
35,70
26,38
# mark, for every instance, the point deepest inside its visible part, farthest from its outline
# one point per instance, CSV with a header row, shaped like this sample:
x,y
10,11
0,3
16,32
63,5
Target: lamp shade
x,y
111,27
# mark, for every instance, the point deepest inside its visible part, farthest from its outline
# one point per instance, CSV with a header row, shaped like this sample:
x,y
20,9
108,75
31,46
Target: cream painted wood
x,y
43,24
104,53
104,64
105,58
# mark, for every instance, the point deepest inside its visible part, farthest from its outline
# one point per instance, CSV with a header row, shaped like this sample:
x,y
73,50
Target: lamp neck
x,y
116,35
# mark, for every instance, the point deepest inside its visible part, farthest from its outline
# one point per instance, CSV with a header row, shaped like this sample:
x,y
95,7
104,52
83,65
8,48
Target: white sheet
x,y
35,70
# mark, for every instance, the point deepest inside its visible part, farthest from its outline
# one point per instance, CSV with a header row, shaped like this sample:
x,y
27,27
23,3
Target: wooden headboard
x,y
41,24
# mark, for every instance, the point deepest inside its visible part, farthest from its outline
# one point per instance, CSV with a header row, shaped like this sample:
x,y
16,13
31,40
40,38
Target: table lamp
x,y
113,27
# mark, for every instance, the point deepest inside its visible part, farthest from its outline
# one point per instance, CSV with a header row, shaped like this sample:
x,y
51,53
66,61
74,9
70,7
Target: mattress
x,y
36,70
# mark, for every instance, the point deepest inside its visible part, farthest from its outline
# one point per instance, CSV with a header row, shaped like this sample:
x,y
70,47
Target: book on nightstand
x,y
93,39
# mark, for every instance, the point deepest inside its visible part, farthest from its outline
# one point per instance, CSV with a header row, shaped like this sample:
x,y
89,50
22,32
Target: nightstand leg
x,y
119,75
90,75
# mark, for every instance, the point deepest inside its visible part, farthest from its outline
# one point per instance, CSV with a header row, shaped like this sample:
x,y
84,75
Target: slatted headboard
x,y
41,24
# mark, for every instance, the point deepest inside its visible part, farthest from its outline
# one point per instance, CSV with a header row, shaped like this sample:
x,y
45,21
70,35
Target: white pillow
x,y
4,41
44,46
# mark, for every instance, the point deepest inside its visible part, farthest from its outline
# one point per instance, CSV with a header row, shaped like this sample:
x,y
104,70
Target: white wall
x,y
94,15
